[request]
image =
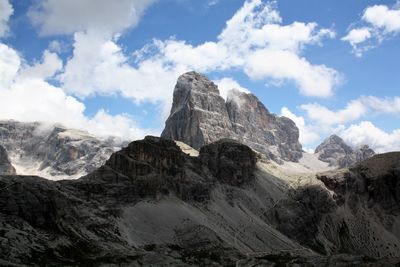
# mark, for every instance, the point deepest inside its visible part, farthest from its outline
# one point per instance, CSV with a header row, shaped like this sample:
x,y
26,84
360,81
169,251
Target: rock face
x,y
200,116
6,168
153,205
337,153
53,151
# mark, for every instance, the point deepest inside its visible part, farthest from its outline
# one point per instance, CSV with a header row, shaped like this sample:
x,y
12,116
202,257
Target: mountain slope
x,y
151,203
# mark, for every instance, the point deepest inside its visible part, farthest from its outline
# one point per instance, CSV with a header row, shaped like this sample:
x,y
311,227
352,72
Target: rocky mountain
x,y
6,168
152,204
53,151
200,116
337,153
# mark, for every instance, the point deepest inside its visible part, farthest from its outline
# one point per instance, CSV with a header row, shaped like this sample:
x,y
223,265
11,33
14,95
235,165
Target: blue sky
x,y
110,67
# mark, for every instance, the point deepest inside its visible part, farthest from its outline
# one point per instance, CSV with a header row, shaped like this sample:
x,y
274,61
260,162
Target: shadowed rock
x,y
6,167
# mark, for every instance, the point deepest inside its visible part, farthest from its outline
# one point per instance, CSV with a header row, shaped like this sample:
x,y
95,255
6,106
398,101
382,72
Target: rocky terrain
x,y
6,167
338,154
200,116
152,204
53,151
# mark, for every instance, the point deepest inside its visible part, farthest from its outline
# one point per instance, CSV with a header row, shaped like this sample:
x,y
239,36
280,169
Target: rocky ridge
x,y
53,151
200,116
152,204
336,152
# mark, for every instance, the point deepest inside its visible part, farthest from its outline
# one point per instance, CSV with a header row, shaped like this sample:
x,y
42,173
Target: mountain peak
x,y
336,152
200,116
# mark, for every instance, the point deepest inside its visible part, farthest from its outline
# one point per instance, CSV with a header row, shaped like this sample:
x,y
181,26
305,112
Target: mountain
x,y
336,152
200,116
53,151
6,168
152,204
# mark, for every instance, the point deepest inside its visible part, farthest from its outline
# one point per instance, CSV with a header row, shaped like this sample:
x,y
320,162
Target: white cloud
x,y
227,84
353,111
105,17
99,65
356,36
6,10
308,135
367,133
9,65
26,96
312,80
50,64
379,23
381,16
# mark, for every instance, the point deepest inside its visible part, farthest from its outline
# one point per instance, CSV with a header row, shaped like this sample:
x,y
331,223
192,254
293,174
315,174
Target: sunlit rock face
x,y
53,151
200,116
337,153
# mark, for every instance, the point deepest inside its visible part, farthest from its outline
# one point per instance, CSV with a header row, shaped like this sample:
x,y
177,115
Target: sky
x,y
109,67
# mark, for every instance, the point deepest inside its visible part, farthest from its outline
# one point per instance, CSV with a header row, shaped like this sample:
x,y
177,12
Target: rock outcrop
x,y
200,116
151,204
52,151
6,168
337,153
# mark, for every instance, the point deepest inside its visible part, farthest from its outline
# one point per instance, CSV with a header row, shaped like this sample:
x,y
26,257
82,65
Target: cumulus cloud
x,y
45,69
312,80
308,135
354,110
379,22
105,17
99,65
225,85
6,10
366,132
26,96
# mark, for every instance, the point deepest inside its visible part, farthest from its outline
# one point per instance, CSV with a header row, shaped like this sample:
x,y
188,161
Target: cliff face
x,y
337,153
6,168
199,116
53,151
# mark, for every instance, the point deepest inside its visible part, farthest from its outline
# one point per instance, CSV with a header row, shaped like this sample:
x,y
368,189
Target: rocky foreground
x,y
153,205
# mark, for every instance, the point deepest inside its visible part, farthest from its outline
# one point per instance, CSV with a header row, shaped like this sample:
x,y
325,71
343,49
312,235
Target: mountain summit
x,y
200,116
337,153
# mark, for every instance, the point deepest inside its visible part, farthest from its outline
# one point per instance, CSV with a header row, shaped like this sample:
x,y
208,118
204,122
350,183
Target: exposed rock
x,y
53,151
6,168
200,116
153,205
337,153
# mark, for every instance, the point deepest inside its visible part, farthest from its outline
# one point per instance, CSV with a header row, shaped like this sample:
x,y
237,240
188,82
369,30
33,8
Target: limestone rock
x,y
153,205
53,151
337,153
6,168
199,116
